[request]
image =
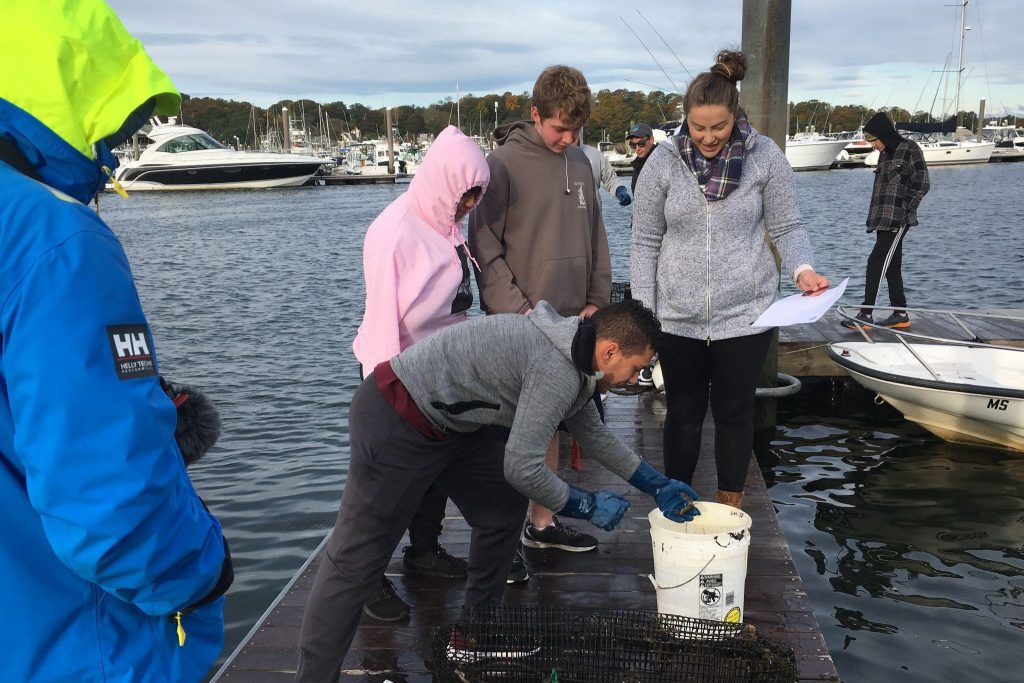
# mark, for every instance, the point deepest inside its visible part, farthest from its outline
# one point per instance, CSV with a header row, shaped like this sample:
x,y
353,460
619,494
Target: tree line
x,y
615,111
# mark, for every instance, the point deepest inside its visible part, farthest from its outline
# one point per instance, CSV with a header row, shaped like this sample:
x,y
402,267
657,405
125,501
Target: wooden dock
x,y
802,347
612,577
358,179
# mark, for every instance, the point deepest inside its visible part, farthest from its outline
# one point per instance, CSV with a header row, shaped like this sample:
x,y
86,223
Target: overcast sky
x,y
871,52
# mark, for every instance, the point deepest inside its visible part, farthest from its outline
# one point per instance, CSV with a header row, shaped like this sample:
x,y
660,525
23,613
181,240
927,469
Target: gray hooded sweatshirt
x,y
513,371
705,268
537,233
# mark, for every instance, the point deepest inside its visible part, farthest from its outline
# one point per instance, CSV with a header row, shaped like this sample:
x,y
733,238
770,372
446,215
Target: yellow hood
x,y
73,66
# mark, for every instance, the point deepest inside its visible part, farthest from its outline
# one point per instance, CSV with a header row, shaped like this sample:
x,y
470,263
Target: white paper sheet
x,y
800,308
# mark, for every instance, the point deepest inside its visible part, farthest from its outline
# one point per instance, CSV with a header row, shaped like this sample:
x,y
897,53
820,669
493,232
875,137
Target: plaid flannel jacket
x,y
901,182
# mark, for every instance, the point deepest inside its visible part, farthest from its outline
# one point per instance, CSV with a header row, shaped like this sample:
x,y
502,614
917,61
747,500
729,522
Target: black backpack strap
x,y
12,156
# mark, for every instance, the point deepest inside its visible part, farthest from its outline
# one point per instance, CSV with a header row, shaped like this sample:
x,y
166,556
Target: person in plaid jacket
x,y
901,182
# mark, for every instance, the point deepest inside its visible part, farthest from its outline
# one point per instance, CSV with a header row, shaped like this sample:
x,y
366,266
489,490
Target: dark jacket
x,y
901,179
638,164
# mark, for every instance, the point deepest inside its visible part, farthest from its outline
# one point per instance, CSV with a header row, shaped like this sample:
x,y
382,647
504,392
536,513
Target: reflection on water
x,y
911,549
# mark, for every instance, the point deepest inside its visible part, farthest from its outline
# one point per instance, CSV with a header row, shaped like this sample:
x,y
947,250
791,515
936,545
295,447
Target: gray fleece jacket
x,y
513,371
705,268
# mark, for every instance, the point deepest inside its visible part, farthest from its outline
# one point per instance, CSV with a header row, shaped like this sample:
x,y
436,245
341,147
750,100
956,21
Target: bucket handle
x,y
680,585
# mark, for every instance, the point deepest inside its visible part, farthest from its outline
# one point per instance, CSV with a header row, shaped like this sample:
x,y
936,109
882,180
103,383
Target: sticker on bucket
x,y
700,567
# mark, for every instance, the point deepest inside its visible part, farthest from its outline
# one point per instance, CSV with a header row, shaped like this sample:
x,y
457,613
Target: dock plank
x,y
612,577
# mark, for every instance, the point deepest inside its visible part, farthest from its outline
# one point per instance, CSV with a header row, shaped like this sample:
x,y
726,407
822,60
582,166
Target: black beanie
x,y
881,127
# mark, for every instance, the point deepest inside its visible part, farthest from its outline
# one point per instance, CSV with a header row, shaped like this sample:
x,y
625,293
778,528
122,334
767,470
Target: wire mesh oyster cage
x,y
567,645
620,292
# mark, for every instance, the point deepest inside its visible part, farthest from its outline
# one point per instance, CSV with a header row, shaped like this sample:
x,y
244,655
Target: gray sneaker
x,y
559,536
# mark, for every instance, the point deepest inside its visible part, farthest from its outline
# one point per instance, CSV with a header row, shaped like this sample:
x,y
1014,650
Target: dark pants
x,y
894,276
425,527
391,467
726,371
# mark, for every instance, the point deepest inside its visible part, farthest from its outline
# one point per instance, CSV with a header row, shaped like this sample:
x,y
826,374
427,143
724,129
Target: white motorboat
x,y
185,158
812,151
1009,141
962,391
857,148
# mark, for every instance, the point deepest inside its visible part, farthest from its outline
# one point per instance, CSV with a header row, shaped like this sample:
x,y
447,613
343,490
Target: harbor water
x,y
911,549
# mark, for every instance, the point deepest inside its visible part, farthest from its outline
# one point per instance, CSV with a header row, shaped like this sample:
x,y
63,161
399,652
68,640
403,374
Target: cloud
x,y
380,54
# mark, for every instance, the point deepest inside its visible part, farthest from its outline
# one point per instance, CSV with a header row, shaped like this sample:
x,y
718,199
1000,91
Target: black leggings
x,y
893,276
726,371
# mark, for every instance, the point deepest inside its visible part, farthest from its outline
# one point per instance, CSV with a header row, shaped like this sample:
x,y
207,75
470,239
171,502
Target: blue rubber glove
x,y
675,499
603,509
623,196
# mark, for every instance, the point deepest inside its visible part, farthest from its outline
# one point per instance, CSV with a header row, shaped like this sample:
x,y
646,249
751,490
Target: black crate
x,y
566,645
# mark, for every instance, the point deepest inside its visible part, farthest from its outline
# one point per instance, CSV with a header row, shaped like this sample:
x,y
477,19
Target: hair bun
x,y
730,65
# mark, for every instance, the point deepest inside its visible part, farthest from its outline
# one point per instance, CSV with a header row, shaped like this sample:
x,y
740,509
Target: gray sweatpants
x,y
391,466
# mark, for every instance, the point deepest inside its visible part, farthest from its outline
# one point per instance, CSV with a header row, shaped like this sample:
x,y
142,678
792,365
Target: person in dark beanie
x,y
901,182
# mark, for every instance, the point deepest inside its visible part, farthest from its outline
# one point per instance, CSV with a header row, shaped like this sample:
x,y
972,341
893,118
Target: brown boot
x,y
733,498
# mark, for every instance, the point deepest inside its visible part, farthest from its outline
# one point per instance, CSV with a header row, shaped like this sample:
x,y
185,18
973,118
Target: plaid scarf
x,y
719,176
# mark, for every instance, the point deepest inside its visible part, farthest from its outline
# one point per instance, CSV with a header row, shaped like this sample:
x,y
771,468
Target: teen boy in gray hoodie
x,y
437,412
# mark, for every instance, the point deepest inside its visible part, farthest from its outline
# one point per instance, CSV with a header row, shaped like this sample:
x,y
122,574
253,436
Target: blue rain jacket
x,y
104,538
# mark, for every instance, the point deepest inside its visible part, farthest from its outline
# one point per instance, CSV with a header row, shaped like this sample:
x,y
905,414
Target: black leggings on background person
x,y
725,372
425,527
884,240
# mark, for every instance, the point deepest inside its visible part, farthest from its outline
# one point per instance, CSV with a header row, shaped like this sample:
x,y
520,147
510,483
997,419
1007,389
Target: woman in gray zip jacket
x,y
707,199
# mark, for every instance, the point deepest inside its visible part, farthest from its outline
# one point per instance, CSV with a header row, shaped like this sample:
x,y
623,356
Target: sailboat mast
x,y
960,58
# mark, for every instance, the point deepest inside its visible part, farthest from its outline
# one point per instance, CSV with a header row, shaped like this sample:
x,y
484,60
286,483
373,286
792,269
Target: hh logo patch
x,y
132,355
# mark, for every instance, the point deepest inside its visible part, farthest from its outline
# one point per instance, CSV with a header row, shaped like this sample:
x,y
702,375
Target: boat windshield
x,y
190,143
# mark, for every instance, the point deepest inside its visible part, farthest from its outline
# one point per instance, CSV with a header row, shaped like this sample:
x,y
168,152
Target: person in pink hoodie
x,y
416,267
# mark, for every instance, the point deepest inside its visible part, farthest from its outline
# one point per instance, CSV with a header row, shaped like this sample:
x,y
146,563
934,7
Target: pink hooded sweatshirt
x,y
416,282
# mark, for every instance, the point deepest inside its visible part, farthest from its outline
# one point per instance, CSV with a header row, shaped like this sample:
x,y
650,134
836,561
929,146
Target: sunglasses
x,y
869,138
638,144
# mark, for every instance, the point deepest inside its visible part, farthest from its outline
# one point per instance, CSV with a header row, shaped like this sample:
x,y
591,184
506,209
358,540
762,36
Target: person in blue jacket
x,y
112,568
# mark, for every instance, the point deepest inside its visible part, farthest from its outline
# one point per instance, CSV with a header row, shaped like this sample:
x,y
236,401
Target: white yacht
x,y
938,152
185,158
812,151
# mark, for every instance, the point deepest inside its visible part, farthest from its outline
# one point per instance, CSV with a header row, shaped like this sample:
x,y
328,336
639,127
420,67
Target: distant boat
x,y
961,149
945,152
962,391
1008,140
856,150
812,151
185,158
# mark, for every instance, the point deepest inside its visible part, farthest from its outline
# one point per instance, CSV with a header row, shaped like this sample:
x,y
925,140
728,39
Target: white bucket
x,y
700,567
